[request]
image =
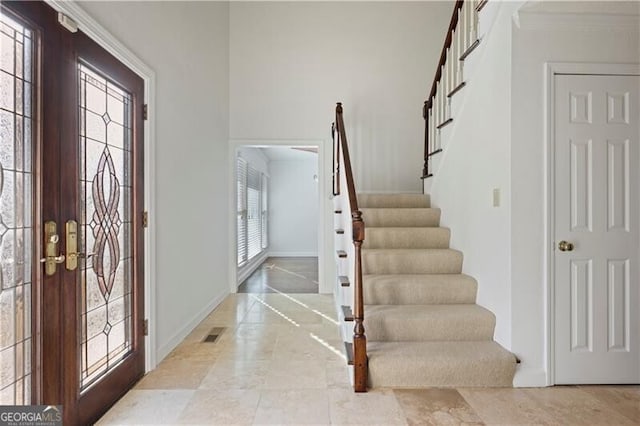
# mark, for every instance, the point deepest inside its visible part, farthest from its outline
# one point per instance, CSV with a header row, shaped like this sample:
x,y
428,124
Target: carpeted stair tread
x,y
423,326
439,364
419,289
423,237
411,261
393,200
405,323
400,217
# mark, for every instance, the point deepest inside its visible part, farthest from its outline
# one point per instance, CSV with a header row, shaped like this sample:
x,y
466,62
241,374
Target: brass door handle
x,y
51,258
55,259
565,246
72,245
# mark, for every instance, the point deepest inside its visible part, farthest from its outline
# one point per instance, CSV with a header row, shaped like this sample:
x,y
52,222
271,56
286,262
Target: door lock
x,y
72,245
565,246
51,258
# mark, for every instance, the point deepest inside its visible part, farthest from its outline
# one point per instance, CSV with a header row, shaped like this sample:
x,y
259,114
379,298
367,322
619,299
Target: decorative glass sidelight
x,y
105,237
16,209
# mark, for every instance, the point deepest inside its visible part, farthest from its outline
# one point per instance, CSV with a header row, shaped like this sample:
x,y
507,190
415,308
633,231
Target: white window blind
x,y
241,179
254,213
265,215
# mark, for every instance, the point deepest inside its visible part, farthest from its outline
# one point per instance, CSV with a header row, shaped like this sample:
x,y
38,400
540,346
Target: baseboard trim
x,y
530,378
248,269
179,336
293,254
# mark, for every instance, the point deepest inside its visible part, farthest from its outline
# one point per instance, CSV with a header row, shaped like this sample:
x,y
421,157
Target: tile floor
x,y
280,361
283,274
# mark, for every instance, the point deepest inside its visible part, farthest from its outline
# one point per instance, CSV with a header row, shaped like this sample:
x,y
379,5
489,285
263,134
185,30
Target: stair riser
x,y
412,293
418,262
393,200
440,364
384,329
400,217
481,374
407,238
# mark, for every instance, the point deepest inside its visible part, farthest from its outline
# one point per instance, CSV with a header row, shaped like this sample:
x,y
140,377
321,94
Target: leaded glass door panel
x,y
71,195
104,190
105,220
17,74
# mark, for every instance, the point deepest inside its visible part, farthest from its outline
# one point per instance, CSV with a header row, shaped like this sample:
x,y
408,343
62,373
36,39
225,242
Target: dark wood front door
x,y
83,216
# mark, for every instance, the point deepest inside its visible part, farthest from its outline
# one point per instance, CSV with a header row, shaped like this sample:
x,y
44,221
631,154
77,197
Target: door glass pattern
x,y
105,224
16,178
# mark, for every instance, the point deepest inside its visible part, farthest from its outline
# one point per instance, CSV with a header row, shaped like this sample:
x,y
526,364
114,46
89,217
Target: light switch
x,y
496,197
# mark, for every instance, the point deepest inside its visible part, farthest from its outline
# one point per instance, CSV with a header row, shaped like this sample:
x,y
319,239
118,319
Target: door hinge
x,y
145,112
145,219
145,327
68,23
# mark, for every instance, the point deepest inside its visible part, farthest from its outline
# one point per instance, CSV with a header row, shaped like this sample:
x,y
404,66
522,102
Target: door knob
x,y
565,246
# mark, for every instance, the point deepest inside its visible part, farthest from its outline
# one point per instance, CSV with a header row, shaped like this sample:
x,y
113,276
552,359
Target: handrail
x,y
460,41
340,145
443,55
342,138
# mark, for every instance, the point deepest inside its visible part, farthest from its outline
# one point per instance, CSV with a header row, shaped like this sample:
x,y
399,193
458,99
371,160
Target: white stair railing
x,y
461,40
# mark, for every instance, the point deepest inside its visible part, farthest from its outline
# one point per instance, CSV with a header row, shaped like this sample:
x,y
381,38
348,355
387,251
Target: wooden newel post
x,y
359,339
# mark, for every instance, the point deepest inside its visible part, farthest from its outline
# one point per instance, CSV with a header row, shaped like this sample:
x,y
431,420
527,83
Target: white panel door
x,y
597,325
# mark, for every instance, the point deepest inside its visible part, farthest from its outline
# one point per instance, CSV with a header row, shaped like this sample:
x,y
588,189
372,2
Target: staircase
x,y
422,324
414,314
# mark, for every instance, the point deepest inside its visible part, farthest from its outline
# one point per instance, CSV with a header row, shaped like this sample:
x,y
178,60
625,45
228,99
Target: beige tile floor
x,y
279,361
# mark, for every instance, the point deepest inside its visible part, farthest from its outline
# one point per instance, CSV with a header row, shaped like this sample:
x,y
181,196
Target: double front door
x,y
71,205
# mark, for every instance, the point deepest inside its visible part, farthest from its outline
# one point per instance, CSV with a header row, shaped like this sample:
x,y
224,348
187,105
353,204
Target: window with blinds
x,y
254,216
265,241
252,212
241,179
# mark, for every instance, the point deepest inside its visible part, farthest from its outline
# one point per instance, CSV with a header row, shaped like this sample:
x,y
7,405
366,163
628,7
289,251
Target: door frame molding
x,y
551,69
107,41
324,205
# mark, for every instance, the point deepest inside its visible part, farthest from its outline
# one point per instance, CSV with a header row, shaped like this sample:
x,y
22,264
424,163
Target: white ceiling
x,y
288,153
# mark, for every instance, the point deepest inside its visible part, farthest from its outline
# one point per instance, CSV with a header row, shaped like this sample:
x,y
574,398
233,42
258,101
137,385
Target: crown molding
x,y
576,21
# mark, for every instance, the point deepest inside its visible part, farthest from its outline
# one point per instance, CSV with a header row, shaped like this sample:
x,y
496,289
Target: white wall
x,y
475,161
293,207
187,45
292,61
570,39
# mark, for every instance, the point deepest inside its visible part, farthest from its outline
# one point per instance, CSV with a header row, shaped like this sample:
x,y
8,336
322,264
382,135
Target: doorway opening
x,y
278,207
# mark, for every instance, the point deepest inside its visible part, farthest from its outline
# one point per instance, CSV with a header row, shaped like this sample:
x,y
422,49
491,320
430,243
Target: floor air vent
x,y
213,334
